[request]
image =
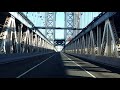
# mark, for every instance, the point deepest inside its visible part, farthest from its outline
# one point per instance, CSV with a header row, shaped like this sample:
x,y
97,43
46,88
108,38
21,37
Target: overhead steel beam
x,y
21,17
56,28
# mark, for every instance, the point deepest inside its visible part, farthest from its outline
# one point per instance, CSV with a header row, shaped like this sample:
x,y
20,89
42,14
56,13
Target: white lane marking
x,y
33,67
80,66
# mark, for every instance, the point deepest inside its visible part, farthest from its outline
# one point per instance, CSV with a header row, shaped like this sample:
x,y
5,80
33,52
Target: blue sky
x,y
59,34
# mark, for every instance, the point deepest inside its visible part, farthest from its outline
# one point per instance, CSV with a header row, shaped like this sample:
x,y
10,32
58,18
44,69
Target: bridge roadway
x,y
55,65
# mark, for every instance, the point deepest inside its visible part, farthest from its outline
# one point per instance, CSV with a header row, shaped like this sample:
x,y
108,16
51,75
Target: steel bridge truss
x,y
71,25
103,40
50,21
15,37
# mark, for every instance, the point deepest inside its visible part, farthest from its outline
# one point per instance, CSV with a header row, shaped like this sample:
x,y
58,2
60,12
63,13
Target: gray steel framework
x,y
50,21
102,40
17,37
57,28
71,25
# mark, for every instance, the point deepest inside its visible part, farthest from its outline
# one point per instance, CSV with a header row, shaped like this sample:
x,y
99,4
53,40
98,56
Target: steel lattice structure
x,y
17,37
100,38
50,21
71,21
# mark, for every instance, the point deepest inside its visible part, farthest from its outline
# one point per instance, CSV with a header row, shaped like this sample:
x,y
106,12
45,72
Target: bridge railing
x,y
16,35
99,38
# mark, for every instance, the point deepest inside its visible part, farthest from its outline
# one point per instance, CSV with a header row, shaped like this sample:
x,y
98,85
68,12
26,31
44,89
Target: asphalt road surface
x,y
55,65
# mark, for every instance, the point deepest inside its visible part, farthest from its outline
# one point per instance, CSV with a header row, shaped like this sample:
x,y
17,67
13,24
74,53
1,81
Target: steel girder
x,y
16,37
75,29
8,37
98,20
102,41
108,46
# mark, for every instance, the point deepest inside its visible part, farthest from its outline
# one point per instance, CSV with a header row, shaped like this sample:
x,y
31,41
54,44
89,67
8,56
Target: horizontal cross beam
x,y
56,28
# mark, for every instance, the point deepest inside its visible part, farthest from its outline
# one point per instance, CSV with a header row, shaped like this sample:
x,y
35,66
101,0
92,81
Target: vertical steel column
x,y
7,35
19,35
70,48
74,46
77,46
87,42
45,47
83,45
11,37
25,40
103,45
37,43
14,37
98,40
108,42
31,41
114,37
80,45
89,45
40,44
92,42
